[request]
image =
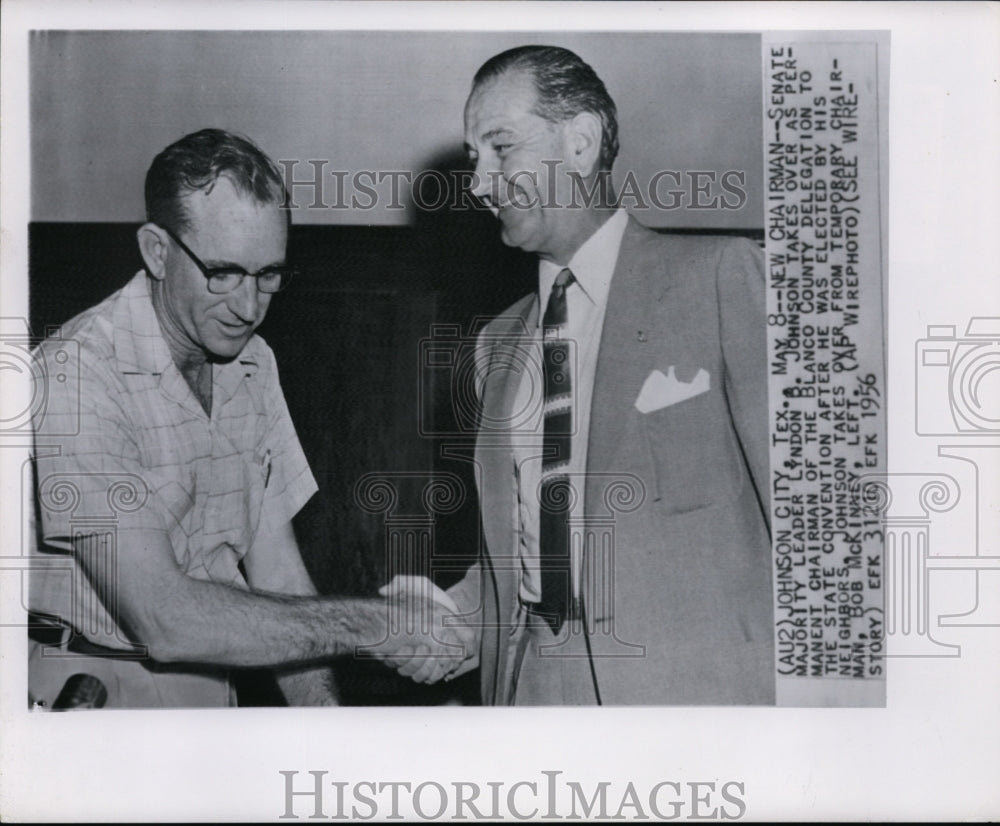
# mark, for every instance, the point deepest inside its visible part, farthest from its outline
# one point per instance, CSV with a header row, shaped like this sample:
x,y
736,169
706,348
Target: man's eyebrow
x,y
222,263
498,132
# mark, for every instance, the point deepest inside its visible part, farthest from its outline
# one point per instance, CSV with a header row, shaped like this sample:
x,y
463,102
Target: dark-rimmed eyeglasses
x,y
222,280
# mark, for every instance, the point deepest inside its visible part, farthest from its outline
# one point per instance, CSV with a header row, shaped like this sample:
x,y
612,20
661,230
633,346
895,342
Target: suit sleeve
x,y
467,592
742,301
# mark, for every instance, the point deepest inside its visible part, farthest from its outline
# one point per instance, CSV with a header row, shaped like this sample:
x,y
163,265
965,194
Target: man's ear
x,y
585,135
153,246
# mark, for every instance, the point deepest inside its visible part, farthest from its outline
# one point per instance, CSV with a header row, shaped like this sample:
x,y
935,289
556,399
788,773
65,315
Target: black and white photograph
x,y
370,366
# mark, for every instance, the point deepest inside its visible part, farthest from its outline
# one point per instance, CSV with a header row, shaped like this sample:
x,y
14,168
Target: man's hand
x,y
420,645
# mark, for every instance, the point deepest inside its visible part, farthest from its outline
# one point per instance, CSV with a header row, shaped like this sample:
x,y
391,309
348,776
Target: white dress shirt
x,y
593,265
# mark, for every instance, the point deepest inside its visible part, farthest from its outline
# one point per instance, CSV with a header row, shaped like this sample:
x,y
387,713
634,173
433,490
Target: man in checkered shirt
x,y
169,470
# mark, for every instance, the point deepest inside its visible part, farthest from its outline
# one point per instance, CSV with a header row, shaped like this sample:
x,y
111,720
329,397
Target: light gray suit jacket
x,y
679,496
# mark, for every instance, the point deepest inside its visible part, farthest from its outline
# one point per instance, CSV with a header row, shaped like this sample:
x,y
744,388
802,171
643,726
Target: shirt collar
x,y
141,348
593,264
139,344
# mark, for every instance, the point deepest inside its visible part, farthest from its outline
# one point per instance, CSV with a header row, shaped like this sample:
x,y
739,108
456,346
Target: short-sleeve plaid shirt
x,y
122,443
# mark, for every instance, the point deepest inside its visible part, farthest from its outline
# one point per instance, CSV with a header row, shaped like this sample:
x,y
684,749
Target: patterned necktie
x,y
556,495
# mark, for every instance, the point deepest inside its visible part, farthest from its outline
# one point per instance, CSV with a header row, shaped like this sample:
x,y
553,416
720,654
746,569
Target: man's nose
x,y
244,301
484,183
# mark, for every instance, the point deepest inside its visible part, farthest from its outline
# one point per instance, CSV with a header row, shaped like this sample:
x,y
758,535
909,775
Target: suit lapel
x,y
509,336
640,280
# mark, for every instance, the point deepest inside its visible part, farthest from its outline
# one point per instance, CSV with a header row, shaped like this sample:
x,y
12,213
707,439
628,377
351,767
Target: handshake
x,y
425,637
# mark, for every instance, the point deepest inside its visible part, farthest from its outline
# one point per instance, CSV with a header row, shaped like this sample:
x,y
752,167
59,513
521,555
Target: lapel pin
x,y
641,335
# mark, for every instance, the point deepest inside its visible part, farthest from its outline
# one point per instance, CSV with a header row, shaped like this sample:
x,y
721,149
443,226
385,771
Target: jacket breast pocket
x,y
695,455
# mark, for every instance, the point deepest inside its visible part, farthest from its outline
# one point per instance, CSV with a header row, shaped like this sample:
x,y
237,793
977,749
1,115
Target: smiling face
x,y
523,164
226,228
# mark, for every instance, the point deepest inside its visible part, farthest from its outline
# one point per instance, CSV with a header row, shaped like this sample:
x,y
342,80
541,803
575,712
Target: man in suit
x,y
622,449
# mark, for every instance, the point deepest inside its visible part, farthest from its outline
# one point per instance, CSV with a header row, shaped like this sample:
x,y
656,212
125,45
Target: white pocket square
x,y
659,391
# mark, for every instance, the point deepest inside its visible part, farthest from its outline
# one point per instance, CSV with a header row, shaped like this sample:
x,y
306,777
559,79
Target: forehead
x,y
222,202
232,218
507,100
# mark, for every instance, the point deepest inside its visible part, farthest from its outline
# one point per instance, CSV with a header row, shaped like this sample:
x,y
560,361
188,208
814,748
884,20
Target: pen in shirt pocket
x,y
266,465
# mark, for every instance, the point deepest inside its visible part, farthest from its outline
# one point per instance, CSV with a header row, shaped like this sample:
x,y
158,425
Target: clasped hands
x,y
419,643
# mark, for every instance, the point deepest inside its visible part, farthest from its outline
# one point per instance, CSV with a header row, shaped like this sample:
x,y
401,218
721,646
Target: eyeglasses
x,y
222,280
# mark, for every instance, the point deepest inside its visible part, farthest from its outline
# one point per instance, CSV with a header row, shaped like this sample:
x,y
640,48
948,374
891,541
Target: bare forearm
x,y
207,622
281,622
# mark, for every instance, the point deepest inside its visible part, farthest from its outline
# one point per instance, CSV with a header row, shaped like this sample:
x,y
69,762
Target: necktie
x,y
556,495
